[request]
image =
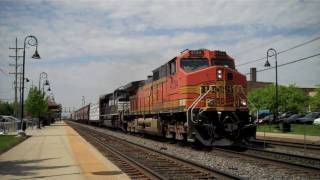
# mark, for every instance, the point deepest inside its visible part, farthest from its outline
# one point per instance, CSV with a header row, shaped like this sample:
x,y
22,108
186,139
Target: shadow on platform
x,y
24,167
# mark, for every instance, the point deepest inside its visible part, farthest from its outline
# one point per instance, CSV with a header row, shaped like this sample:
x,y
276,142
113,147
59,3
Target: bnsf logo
x,y
217,89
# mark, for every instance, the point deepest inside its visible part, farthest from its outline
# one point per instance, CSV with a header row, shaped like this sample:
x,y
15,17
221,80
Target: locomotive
x,y
197,96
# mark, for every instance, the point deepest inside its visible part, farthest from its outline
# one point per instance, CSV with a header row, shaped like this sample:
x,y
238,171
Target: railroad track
x,y
279,157
145,163
288,144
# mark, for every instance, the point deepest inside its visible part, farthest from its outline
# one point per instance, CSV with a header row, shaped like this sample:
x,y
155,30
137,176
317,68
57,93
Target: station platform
x,y
56,152
297,138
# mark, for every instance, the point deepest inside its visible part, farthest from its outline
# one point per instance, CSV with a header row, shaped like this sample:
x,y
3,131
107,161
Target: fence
x,y
15,126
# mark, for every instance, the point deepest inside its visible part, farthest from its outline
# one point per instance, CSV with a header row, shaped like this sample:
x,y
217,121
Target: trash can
x,y
285,126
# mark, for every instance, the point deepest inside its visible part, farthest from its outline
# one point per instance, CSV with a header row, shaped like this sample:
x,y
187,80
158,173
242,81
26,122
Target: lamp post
x,y
267,64
46,83
42,76
31,41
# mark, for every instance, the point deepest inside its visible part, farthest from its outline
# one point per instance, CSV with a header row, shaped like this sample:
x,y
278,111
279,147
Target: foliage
x,y
6,108
302,129
315,101
36,102
8,141
289,99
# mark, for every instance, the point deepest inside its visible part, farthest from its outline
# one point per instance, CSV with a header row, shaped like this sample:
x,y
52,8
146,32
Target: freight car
x,y
82,114
94,114
197,96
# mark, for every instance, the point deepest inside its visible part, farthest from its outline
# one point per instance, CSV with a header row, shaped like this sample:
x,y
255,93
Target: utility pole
x,y
16,77
83,101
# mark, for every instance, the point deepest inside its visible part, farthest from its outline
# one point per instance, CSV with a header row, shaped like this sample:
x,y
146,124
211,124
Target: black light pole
x,y
31,41
46,83
267,64
41,76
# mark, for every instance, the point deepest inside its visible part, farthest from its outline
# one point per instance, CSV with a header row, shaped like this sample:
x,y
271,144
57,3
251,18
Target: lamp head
x,y
36,54
46,83
267,64
27,80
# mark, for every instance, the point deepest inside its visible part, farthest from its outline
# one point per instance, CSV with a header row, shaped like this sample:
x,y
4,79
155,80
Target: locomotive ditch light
x,y
243,102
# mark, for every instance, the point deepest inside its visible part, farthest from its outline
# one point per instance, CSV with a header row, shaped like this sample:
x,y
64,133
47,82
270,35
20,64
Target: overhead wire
x,y
283,51
1,70
287,63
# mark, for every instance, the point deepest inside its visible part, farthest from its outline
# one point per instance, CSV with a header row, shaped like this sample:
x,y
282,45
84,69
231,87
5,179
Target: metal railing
x,y
15,126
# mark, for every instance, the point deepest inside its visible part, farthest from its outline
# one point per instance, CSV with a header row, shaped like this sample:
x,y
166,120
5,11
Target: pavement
x,y
289,137
56,152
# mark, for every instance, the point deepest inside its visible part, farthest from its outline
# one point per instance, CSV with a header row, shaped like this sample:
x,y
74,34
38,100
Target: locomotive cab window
x,y
172,67
194,64
222,62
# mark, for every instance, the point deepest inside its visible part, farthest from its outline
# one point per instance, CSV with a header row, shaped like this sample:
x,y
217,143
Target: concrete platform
x,y
56,152
289,137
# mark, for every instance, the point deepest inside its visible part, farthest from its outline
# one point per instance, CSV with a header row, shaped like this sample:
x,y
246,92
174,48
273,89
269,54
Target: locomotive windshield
x,y
193,64
222,62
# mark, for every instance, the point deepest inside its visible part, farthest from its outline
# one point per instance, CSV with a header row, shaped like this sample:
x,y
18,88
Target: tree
x,y
6,108
36,102
289,99
315,100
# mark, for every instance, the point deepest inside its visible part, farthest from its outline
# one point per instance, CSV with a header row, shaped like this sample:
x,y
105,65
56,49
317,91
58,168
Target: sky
x,y
89,48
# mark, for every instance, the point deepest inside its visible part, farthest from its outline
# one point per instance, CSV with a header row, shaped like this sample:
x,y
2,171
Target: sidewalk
x,y
289,137
56,152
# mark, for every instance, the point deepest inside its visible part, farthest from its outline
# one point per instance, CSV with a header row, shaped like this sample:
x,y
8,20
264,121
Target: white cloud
x,y
91,47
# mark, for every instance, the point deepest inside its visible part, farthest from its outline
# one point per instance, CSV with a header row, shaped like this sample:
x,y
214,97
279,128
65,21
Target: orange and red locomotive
x,y
196,96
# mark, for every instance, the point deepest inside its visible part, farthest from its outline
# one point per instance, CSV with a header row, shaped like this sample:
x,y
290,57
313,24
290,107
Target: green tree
x,y
290,99
6,108
36,102
315,100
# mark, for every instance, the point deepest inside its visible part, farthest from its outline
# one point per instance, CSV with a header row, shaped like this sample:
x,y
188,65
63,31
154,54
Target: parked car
x,y
293,118
316,122
285,115
11,119
266,119
309,118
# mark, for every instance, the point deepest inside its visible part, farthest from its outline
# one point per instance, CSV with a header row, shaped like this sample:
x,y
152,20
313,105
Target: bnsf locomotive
x,y
197,96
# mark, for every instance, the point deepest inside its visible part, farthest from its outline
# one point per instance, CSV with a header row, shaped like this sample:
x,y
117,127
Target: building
x,y
253,84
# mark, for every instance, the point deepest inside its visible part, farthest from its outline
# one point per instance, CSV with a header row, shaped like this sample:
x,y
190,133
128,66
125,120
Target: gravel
x,y
247,168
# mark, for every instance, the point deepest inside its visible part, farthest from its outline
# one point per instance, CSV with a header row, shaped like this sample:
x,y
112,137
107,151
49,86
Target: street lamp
x,y
46,83
267,64
31,41
42,76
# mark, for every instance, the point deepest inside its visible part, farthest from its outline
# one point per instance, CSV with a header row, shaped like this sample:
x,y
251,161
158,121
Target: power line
x,y
286,50
291,62
4,72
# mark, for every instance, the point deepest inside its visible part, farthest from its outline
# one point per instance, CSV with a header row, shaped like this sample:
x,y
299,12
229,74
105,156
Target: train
x,y
197,96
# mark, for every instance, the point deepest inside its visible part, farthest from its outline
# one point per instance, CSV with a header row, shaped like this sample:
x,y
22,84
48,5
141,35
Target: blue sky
x,y
91,47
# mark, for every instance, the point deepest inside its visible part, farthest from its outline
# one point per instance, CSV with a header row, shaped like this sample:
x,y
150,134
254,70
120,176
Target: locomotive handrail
x,y
194,104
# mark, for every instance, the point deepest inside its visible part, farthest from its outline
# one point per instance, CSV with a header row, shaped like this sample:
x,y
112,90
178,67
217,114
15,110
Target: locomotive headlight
x,y
243,102
219,74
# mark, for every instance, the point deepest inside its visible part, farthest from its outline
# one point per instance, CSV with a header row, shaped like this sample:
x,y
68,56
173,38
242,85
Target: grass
x,y
9,141
310,130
